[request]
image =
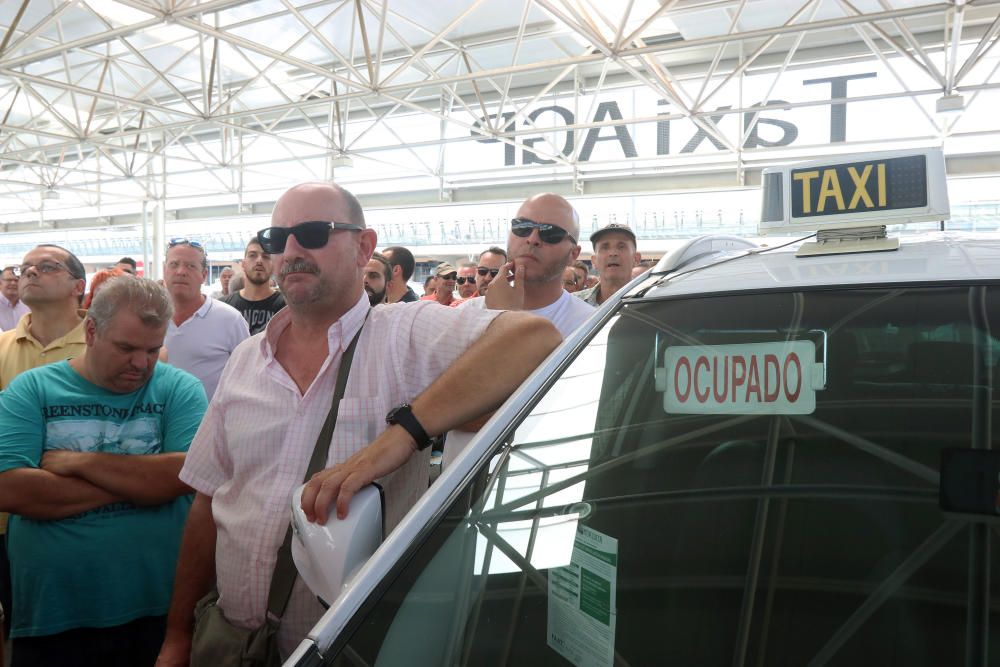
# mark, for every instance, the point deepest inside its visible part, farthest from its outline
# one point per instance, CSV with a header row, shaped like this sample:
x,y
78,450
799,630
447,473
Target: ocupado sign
x,y
754,378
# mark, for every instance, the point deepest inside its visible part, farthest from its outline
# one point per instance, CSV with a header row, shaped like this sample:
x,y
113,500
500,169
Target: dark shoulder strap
x,y
284,569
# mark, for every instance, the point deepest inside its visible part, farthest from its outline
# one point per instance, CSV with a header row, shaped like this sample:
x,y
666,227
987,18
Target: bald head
x,y
553,209
317,201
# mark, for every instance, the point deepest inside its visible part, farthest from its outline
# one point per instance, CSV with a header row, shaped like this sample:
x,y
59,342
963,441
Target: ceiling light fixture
x,y
950,104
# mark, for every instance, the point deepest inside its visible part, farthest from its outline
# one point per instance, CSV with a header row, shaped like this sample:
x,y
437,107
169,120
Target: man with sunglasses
x,y
466,282
51,282
260,430
203,332
490,261
541,244
445,276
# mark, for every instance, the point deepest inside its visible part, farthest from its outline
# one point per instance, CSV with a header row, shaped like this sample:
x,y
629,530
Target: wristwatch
x,y
402,415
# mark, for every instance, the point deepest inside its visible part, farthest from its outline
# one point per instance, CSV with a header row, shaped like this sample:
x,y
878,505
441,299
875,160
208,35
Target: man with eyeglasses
x,y
402,263
203,332
11,306
254,444
540,245
490,261
51,281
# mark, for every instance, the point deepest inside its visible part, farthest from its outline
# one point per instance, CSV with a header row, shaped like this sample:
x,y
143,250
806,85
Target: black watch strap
x,y
402,415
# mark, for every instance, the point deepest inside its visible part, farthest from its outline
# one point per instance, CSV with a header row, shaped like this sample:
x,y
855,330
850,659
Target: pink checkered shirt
x,y
258,434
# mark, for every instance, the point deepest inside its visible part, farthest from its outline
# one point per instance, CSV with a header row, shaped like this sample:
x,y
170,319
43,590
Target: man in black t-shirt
x,y
256,301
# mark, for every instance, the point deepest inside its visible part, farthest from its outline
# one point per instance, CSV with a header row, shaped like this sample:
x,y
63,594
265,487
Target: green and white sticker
x,y
582,601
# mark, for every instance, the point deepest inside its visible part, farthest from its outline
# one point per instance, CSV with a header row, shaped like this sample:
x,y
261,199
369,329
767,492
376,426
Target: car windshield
x,y
724,480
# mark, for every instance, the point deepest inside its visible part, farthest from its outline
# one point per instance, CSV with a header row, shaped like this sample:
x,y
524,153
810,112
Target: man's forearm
x,y
195,575
149,479
489,371
42,495
484,376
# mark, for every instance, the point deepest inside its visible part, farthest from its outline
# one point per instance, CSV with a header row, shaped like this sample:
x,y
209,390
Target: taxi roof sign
x,y
860,190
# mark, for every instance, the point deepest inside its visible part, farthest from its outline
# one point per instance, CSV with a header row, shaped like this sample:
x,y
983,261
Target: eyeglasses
x,y
462,280
482,270
523,227
311,235
449,276
45,267
183,241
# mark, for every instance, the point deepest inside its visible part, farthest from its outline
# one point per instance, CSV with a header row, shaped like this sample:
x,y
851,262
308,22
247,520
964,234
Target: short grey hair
x,y
145,298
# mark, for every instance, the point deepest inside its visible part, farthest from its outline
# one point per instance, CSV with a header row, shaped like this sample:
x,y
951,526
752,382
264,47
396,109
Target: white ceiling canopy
x,y
108,103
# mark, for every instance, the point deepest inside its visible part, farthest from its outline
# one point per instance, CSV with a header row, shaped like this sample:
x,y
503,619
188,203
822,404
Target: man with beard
x,y
259,433
88,470
256,301
402,264
541,244
377,275
203,332
614,257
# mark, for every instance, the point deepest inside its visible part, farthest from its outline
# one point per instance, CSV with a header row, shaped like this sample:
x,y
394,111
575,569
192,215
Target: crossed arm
x,y
68,483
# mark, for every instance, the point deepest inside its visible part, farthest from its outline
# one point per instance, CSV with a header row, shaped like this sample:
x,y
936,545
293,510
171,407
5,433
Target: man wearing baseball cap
x,y
614,256
444,289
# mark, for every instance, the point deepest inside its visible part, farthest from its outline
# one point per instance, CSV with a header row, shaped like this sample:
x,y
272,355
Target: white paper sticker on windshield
x,y
582,601
756,378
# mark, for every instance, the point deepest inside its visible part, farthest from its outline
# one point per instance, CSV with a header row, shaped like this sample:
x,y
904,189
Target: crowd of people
x,y
140,490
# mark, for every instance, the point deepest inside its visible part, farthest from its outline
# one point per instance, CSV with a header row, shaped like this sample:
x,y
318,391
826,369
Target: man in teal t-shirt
x,y
89,458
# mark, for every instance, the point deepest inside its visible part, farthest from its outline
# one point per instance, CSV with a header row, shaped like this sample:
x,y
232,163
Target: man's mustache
x,y
299,266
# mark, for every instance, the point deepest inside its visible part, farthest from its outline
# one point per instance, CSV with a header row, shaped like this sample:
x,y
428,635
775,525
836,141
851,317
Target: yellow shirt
x,y
20,351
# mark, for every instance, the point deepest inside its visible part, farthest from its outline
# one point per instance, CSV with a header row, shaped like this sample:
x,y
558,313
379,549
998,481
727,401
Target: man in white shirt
x,y
11,306
203,332
256,439
541,243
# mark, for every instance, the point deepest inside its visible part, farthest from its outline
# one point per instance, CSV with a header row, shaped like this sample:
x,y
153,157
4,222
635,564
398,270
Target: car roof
x,y
921,258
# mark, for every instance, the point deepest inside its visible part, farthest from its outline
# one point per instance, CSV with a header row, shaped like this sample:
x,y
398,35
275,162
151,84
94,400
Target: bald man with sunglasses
x,y
255,442
542,242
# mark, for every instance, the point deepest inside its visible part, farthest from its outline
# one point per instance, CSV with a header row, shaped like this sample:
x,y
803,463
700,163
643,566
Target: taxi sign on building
x,y
863,190
749,379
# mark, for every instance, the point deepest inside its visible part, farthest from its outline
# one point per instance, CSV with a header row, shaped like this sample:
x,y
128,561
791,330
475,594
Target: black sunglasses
x,y
482,270
523,227
311,235
461,280
448,276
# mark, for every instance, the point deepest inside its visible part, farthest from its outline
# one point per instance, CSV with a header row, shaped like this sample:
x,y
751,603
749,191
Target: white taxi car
x,y
748,457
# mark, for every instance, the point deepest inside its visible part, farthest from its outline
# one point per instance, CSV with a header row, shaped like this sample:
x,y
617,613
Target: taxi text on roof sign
x,y
849,191
887,184
755,378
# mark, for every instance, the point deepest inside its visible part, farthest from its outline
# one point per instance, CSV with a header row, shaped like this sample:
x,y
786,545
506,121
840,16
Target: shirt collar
x,y
338,336
74,335
205,307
